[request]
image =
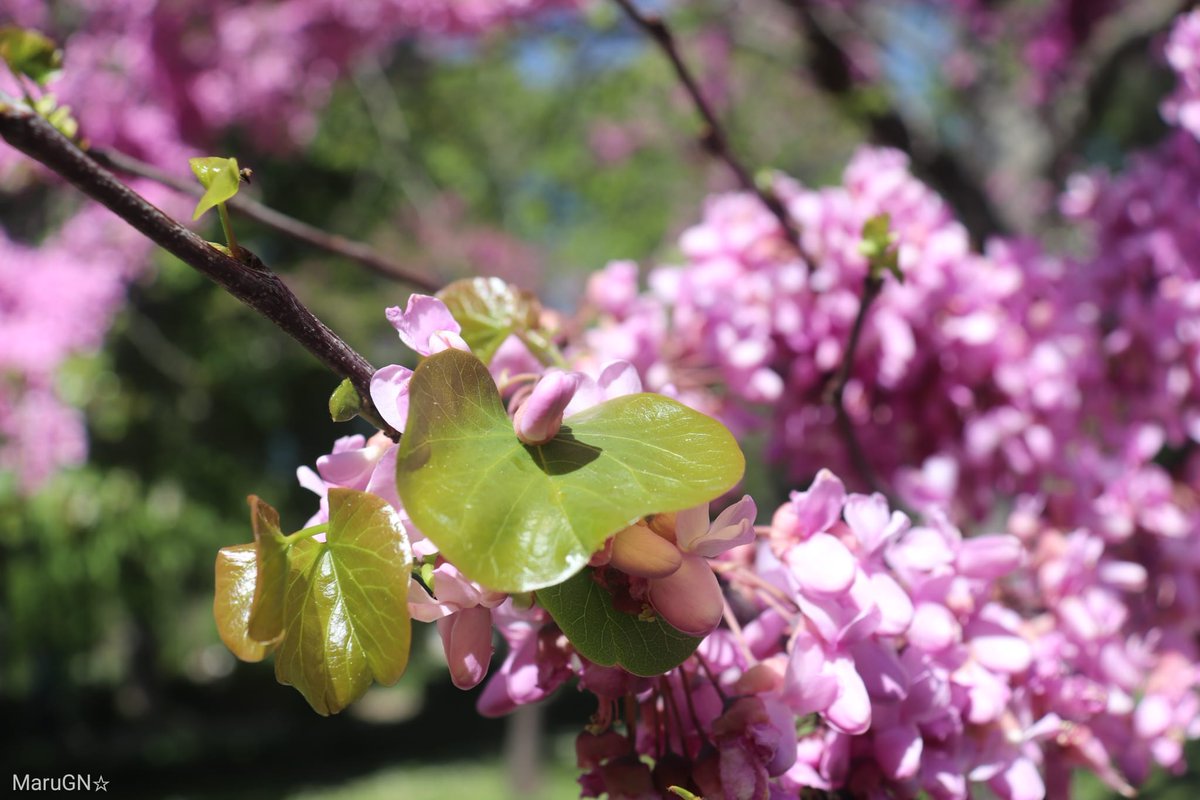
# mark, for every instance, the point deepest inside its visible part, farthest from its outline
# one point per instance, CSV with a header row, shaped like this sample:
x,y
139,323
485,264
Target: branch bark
x,y
289,226
249,281
714,138
872,285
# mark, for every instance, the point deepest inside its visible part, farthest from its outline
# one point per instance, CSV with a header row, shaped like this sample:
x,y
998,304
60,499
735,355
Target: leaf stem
x,y
230,239
306,533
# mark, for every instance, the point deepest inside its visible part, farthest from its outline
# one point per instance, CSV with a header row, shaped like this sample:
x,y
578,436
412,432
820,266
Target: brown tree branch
x,y
248,281
835,395
714,138
290,226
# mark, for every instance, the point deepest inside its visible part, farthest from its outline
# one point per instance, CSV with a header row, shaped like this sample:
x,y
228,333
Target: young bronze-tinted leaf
x,y
233,599
516,517
219,177
602,634
29,53
489,310
346,613
266,613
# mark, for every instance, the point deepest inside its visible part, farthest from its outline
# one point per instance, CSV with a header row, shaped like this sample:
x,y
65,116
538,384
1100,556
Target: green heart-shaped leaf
x,y
516,517
29,53
608,637
346,615
489,310
234,599
219,177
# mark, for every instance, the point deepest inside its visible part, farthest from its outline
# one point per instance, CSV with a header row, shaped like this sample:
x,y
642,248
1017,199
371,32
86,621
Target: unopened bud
x,y
637,550
539,418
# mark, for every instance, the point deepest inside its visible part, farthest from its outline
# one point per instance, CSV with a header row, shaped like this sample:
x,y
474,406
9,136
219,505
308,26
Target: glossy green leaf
x,y
489,311
346,615
29,53
233,600
609,637
266,614
516,517
219,177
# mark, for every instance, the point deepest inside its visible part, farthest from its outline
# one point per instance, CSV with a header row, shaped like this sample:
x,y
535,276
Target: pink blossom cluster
x,y
983,375
915,661
860,650
968,358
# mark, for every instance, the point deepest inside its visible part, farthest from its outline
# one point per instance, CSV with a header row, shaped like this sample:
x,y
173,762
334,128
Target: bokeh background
x,y
537,150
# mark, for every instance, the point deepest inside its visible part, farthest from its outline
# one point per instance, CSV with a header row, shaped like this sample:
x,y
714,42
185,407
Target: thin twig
x,y
872,285
714,139
276,220
248,281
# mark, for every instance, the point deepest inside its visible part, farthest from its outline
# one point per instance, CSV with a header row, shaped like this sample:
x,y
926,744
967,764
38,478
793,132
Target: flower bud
x,y
637,550
539,418
690,598
467,641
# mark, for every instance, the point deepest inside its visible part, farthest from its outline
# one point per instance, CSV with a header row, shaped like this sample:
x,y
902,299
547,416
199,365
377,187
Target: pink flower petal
x,y
389,393
898,751
421,319
822,565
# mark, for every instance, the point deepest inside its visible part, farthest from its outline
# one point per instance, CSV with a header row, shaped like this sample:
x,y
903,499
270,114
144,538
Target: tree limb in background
x,y
829,66
289,226
249,281
714,138
1090,91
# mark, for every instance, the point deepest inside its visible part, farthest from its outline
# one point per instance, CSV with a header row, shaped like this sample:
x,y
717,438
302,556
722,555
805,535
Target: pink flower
x,y
733,527
426,325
